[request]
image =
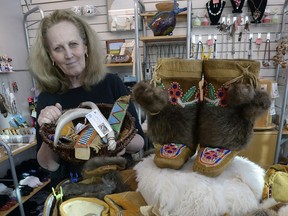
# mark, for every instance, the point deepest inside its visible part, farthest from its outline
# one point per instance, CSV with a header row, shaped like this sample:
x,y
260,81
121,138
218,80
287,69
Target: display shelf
x,y
271,131
25,198
22,147
120,65
6,72
163,38
152,13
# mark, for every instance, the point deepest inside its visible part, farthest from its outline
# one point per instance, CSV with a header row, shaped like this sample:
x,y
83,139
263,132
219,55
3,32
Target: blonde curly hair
x,y
50,78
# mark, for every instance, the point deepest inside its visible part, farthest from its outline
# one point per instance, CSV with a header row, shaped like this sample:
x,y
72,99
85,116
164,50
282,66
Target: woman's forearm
x,y
135,145
47,158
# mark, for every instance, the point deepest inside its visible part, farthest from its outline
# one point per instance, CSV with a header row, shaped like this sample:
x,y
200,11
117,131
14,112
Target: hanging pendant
x,y
256,14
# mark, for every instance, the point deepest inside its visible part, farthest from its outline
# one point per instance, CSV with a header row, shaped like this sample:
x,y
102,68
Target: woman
x,y
67,63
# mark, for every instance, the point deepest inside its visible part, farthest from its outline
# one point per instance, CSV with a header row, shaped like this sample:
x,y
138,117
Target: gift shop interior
x,y
104,103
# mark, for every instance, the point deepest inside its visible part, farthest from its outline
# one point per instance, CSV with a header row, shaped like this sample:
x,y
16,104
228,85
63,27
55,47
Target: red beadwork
x,y
175,92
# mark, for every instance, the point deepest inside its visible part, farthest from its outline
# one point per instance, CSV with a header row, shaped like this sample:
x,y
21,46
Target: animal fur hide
x,y
236,191
270,208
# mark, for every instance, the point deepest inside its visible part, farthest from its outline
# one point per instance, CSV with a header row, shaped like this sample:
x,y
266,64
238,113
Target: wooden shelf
x,y
6,72
25,198
120,65
163,38
22,147
152,13
271,131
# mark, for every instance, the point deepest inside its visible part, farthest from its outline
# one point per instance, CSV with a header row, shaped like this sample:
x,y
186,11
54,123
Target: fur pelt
x,y
103,169
97,162
110,183
270,208
236,191
230,127
166,122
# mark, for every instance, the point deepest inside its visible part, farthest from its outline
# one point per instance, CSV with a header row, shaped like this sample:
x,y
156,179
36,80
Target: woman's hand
x,y
50,114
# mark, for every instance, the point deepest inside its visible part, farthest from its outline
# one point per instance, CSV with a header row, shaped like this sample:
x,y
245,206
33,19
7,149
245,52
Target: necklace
x,y
237,3
257,13
218,12
266,63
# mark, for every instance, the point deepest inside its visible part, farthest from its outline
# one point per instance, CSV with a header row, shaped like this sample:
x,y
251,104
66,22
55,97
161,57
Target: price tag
x,y
268,36
259,41
209,42
193,39
99,122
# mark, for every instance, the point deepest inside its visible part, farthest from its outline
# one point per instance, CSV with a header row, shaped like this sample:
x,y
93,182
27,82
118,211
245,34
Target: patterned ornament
x,y
213,156
171,150
175,92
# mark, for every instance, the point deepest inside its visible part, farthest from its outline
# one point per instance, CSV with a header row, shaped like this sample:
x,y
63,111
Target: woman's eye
x,y
73,44
58,49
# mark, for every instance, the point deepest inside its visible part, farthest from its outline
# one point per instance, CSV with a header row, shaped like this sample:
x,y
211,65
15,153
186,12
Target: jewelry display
x,y
222,28
205,21
266,63
215,10
240,43
232,35
199,47
257,8
196,21
258,44
214,47
246,30
237,5
206,57
250,48
267,18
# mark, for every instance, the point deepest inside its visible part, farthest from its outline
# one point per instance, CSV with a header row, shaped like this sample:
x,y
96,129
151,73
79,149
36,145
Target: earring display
x,y
257,8
215,9
266,62
237,5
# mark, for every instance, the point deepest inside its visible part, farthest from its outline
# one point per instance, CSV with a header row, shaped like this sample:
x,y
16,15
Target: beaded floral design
x,y
216,98
175,92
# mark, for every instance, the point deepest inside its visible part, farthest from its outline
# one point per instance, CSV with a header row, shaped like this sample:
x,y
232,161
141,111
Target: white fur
x,y
283,211
237,190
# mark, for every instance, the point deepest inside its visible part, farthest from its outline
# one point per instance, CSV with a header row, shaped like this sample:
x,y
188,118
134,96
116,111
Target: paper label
x,y
275,92
82,153
99,122
259,41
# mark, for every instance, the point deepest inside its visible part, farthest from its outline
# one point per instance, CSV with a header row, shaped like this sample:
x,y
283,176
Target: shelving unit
x,y
284,101
120,65
21,199
25,198
6,72
18,150
158,39
172,38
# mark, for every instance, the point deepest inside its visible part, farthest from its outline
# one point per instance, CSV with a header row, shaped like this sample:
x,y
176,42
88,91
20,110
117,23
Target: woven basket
x,y
67,152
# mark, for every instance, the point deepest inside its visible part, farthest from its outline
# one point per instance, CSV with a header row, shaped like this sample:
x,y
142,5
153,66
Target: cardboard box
x,y
262,147
265,121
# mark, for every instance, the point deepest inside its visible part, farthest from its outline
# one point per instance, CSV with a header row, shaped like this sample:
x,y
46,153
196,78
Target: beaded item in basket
x,y
66,150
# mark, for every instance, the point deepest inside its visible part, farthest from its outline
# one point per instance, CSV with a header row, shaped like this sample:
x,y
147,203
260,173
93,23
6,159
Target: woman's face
x,y
67,49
